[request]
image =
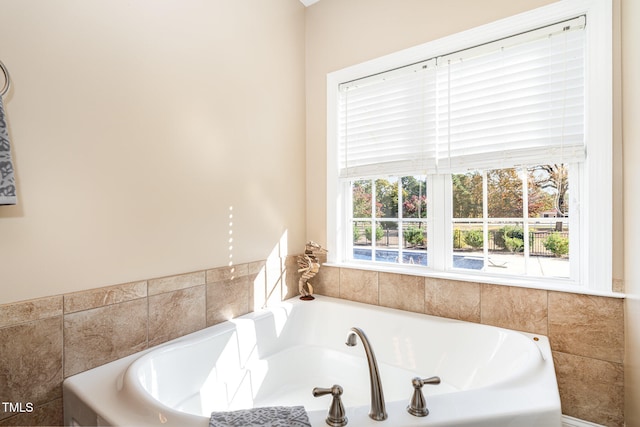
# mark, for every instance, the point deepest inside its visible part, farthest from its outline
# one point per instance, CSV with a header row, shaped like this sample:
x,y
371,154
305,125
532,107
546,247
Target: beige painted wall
x,y
137,125
631,137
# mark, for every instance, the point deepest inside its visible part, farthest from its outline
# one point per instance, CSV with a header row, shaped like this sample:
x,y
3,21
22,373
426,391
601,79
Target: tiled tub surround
x,y
586,332
45,340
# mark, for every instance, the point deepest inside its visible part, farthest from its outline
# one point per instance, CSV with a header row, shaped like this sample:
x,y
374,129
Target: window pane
x,y
362,240
414,197
387,234
360,236
361,193
467,195
387,241
387,198
549,191
506,248
504,198
414,237
468,244
549,248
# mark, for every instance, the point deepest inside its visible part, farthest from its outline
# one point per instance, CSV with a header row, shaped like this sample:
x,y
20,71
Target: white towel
x,y
274,416
7,180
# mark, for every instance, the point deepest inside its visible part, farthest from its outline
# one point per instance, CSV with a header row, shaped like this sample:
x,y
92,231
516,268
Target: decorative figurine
x,y
308,265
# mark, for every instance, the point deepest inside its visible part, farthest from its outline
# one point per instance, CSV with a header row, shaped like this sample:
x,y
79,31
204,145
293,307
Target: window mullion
x,y
525,217
440,249
485,221
400,223
374,225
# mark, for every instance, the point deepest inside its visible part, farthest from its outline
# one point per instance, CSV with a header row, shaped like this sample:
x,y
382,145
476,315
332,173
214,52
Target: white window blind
x,y
387,123
518,100
515,101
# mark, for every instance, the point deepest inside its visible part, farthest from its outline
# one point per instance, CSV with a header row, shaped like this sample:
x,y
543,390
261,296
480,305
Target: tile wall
x,y
46,340
586,332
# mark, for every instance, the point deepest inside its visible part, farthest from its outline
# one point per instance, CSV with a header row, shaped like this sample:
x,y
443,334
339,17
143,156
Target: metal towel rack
x,y
7,79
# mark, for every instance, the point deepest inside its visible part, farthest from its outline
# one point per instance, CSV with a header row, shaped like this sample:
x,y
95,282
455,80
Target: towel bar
x,y
7,79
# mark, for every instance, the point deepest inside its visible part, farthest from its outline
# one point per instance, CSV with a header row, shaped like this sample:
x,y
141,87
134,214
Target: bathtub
x,y
491,377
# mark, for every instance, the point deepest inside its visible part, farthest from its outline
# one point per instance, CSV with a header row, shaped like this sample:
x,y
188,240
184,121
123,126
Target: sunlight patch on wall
x,y
270,284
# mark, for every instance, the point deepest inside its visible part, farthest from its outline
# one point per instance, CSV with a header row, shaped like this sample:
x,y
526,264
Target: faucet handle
x,y
336,416
418,406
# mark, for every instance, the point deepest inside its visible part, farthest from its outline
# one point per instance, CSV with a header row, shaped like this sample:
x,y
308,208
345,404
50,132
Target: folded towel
x,y
274,416
7,180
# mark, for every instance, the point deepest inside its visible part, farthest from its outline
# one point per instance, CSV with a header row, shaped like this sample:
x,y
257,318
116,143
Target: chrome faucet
x,y
378,411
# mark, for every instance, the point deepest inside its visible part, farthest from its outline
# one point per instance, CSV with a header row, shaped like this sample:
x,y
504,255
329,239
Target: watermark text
x,y
17,406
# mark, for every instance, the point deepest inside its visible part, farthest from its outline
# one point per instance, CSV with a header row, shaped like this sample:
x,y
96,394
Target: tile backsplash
x,y
586,332
45,340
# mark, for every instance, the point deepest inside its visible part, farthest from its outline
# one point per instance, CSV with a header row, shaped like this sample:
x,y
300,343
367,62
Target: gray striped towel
x,y
7,180
274,416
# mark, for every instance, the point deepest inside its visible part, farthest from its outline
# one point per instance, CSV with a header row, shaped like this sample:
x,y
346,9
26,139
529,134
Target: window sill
x,y
516,281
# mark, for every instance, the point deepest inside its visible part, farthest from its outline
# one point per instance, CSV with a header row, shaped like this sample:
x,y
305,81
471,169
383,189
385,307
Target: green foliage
x,y
514,244
557,244
367,233
458,238
356,233
414,197
414,235
474,238
386,198
504,193
510,237
467,195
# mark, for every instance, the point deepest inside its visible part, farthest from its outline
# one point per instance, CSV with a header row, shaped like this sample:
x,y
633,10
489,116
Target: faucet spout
x,y
378,411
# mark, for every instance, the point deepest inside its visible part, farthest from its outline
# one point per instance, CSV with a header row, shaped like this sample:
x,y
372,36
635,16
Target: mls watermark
x,y
17,407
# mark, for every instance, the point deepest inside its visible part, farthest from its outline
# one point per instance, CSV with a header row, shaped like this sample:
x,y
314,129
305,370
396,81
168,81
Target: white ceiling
x,y
308,2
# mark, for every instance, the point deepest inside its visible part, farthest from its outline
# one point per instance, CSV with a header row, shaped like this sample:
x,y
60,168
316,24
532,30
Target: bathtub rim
x,y
76,383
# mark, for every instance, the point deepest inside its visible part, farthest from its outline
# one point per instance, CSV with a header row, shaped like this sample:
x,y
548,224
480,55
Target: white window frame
x,y
596,198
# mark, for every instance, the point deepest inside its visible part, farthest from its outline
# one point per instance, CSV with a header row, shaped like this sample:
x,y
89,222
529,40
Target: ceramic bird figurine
x,y
308,265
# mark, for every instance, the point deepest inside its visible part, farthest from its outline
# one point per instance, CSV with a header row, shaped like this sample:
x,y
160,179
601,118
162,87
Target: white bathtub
x,y
490,376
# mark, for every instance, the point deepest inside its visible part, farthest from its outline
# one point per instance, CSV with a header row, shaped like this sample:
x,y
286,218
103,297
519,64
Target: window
x,y
525,227
389,220
481,161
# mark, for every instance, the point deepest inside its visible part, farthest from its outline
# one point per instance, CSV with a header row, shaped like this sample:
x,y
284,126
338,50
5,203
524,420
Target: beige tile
x,y
31,362
327,281
174,314
227,299
100,335
94,298
590,389
257,279
521,309
452,299
175,283
586,325
254,268
359,285
48,414
227,273
258,289
401,291
291,278
26,311
275,279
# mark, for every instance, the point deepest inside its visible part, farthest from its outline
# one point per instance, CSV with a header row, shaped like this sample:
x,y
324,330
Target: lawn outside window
x,y
480,161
